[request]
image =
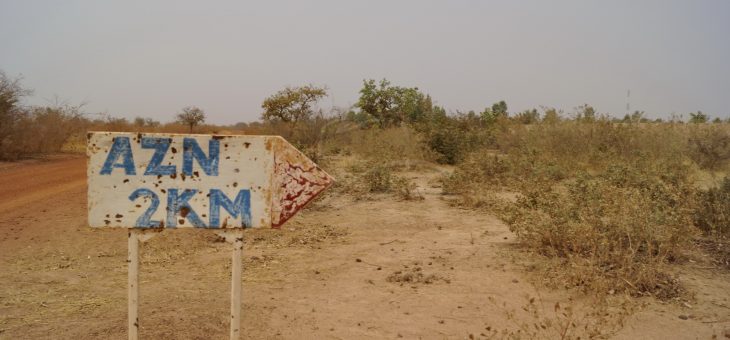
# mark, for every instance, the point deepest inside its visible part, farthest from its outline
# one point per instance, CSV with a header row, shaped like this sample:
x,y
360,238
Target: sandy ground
x,y
342,269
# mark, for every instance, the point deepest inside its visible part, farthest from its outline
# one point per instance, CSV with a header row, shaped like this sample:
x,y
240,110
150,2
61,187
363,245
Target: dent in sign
x,y
201,181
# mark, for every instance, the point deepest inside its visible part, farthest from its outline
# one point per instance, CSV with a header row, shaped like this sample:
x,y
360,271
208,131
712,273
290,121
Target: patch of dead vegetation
x,y
611,213
537,320
313,237
414,275
717,250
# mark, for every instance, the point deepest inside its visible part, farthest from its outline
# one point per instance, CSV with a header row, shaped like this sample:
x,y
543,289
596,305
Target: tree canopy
x,y
698,117
292,104
386,105
191,116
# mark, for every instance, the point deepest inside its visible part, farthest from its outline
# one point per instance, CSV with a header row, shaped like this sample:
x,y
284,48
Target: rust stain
x,y
184,211
297,181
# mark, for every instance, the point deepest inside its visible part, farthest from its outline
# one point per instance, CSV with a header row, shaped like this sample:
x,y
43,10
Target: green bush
x,y
451,138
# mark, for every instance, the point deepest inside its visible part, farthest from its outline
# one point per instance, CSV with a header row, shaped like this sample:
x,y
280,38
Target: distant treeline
x,y
26,131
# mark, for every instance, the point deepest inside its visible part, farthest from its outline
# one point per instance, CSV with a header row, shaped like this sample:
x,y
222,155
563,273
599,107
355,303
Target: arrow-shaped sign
x,y
152,180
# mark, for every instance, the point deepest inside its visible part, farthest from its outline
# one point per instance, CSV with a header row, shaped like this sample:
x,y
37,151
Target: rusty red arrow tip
x,y
297,181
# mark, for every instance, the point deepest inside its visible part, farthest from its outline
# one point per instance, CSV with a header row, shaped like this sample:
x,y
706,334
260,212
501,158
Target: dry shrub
x,y
313,135
41,130
378,177
373,156
609,204
450,139
395,146
710,146
712,214
414,274
536,320
28,131
405,189
574,146
555,152
487,168
613,231
480,168
360,179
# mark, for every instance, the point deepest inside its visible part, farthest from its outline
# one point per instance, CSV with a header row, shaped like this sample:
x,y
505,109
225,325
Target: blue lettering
x,y
241,206
144,220
120,148
161,145
191,150
178,204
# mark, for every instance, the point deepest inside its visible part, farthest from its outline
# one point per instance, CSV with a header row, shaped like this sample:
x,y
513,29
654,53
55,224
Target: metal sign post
x,y
235,237
133,283
236,285
151,182
134,238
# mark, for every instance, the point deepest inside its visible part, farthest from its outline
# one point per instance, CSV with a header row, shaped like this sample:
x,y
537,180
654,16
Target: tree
x,y
551,115
498,111
698,117
636,117
11,116
292,104
527,117
141,122
585,113
388,105
191,116
500,108
11,91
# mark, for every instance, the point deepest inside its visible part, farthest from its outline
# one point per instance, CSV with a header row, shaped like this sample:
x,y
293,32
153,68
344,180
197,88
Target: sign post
x,y
151,182
236,238
236,285
133,283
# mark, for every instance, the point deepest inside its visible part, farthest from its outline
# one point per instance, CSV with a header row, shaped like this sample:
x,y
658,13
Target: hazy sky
x,y
151,58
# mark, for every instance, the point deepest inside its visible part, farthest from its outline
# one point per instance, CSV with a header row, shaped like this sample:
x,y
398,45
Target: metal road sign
x,y
152,180
161,181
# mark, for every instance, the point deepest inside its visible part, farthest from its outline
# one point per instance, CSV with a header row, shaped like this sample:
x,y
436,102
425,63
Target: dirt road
x,y
343,269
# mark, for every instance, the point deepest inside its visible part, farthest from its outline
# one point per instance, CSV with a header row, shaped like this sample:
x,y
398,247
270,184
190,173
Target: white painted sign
x,y
152,180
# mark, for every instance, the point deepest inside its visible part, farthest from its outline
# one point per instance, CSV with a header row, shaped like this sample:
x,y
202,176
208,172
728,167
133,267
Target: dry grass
x,y
612,205
536,320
